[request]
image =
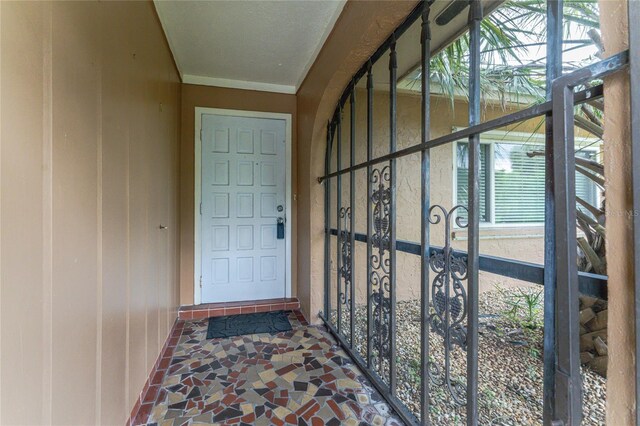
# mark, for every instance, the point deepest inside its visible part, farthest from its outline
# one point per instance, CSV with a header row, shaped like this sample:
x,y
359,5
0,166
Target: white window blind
x,y
512,183
519,184
462,177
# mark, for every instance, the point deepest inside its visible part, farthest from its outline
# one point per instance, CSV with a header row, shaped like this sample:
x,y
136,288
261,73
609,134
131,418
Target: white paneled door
x,y
243,200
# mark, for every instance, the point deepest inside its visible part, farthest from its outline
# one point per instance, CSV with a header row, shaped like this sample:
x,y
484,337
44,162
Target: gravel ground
x,y
510,366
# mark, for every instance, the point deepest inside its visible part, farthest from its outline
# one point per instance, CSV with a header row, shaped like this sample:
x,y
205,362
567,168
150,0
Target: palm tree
x,y
513,65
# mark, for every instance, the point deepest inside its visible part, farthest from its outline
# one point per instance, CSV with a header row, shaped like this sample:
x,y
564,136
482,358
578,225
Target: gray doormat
x,y
243,324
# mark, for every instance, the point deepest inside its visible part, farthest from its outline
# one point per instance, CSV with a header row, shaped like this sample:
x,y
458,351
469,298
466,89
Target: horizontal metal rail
x,y
377,382
539,110
590,284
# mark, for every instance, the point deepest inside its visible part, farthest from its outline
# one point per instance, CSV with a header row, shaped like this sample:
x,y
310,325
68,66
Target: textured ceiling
x,y
262,45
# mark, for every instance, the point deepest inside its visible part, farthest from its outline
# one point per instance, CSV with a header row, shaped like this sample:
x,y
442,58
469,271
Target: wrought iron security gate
x,y
449,308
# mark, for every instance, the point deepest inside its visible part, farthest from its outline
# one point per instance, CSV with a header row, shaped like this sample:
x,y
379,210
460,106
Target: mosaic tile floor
x,y
299,377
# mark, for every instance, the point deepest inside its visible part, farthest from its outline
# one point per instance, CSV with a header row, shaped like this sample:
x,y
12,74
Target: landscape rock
x,y
587,302
510,373
585,357
599,365
599,322
586,315
586,340
600,345
593,322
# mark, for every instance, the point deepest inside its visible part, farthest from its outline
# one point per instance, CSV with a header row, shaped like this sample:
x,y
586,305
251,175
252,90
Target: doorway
x,y
243,237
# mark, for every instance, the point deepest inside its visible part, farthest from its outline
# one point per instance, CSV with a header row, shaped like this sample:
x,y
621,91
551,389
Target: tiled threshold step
x,y
207,310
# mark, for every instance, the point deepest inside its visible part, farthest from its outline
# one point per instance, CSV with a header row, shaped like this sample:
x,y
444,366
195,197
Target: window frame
x,y
501,136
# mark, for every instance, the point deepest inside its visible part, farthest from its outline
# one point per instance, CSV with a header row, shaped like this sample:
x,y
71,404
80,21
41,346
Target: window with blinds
x,y
462,176
519,184
512,183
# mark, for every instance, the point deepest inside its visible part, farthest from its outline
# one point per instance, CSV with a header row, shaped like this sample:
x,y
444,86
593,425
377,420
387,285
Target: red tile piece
x,y
232,311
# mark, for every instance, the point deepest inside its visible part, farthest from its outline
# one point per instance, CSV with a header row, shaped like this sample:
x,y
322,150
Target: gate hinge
x,y
200,208
200,281
201,134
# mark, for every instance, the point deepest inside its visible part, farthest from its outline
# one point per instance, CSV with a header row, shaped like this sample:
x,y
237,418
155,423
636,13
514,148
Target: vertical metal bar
x,y
327,226
473,258
568,398
425,170
634,94
393,95
554,70
352,205
369,212
338,208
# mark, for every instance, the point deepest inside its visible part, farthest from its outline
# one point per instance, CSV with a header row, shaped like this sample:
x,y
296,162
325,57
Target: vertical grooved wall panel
x,y
89,114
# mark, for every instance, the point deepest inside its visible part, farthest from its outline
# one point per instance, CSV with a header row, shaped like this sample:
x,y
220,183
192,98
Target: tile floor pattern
x,y
299,377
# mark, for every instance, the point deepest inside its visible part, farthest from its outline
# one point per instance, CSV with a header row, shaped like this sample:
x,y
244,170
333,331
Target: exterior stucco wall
x,y
89,109
619,241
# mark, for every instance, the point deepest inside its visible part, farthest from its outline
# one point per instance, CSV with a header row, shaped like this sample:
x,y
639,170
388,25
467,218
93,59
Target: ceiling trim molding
x,y
238,84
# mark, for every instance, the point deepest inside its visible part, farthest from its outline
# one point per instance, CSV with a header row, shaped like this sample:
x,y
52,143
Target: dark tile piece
x,y
339,398
175,388
323,392
227,414
195,392
178,405
316,382
300,386
202,368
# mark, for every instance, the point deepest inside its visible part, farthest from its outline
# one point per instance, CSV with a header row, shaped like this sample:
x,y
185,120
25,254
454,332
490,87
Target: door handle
x,y
280,228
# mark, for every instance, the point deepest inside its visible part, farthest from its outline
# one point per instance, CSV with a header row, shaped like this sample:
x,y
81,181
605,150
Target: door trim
x,y
197,290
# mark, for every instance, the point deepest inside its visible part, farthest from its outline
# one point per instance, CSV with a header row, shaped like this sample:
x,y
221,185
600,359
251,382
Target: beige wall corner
x,y
361,28
619,242
244,100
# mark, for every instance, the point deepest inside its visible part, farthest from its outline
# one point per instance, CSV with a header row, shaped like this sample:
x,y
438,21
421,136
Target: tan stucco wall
x,y
216,97
619,241
89,103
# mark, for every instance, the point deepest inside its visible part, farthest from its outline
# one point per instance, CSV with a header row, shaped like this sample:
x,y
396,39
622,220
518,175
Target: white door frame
x,y
197,284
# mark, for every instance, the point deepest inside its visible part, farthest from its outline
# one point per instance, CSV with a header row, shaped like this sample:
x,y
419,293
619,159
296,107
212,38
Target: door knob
x,y
162,227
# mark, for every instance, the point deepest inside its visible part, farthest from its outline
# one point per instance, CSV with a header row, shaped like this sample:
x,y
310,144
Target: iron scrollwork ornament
x,y
346,259
449,299
380,262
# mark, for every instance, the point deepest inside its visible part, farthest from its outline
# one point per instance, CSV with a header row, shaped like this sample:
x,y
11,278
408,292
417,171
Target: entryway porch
x,y
297,377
